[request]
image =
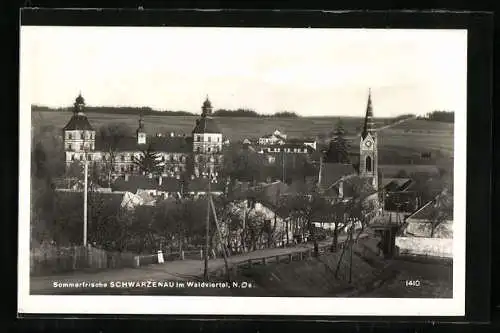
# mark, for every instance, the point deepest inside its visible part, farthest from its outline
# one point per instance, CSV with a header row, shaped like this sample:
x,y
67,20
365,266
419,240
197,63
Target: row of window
x,y
81,136
69,146
81,157
213,159
209,150
198,139
133,167
286,150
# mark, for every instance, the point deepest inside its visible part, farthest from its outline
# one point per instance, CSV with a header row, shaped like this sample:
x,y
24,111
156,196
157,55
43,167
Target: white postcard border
x,y
57,304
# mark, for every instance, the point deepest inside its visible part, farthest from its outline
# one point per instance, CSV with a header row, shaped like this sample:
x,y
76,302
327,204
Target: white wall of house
x,y
207,142
423,228
425,246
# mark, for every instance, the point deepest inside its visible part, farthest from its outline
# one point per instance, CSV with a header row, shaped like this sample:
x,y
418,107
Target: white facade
x,y
207,143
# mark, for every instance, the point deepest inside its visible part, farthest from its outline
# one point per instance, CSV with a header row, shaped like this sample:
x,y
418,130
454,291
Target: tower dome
x,y
206,108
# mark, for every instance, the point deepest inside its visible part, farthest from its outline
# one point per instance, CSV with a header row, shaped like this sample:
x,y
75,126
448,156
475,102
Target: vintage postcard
x,y
245,171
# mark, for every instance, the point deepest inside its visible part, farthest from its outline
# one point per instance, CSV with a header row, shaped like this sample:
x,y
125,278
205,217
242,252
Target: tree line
x,y
145,110
148,111
252,114
442,116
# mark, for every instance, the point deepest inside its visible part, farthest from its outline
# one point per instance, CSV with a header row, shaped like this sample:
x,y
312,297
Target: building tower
x,y
79,136
207,142
141,132
206,108
368,150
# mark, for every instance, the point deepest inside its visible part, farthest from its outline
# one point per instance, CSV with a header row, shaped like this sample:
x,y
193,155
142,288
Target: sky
x,y
313,72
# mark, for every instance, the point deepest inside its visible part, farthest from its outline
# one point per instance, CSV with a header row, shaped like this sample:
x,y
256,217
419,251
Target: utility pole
x,y
350,255
207,231
85,206
224,252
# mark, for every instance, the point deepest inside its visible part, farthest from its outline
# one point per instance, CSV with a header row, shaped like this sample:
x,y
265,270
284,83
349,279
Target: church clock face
x,y
368,144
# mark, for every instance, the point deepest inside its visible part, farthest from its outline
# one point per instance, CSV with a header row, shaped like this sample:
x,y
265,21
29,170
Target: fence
x,y
52,260
282,258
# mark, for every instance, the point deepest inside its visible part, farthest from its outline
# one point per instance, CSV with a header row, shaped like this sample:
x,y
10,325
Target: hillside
x,y
409,138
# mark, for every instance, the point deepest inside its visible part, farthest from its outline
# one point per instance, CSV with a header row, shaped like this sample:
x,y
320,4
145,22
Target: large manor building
x,y
202,151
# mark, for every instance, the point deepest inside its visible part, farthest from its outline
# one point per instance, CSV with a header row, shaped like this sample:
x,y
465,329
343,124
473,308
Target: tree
x,y
440,211
338,150
242,164
75,170
39,158
111,136
149,161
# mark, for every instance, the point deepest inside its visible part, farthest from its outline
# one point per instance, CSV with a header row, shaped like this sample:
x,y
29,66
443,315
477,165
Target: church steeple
x,y
368,161
141,133
369,125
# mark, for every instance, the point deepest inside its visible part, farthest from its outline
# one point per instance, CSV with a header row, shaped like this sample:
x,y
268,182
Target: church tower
x,y
79,135
141,133
368,150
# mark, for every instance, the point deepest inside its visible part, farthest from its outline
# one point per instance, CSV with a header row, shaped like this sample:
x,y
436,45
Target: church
x,y
334,176
202,151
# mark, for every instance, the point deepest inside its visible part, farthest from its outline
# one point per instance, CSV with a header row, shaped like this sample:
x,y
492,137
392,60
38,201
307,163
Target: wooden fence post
x,y
137,262
201,254
264,261
182,255
277,259
290,257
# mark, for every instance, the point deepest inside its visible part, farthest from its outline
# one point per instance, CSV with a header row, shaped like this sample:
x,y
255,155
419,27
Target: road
x,y
395,123
172,270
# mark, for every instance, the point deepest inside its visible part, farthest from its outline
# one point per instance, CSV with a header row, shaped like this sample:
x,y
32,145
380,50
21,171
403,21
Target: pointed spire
x,y
141,123
368,124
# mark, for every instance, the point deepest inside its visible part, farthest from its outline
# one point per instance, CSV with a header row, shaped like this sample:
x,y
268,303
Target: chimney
x,y
160,179
126,177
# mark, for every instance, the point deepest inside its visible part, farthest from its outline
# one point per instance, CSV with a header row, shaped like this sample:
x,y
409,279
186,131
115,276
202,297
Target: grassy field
x,y
411,137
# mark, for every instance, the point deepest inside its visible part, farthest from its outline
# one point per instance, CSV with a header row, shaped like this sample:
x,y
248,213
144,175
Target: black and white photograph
x,y
203,170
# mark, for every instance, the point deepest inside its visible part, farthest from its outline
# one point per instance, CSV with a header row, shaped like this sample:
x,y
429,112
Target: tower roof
x,y
79,99
141,123
206,125
369,125
78,122
206,108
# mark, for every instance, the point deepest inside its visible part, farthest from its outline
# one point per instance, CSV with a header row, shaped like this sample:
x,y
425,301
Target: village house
x,y
429,230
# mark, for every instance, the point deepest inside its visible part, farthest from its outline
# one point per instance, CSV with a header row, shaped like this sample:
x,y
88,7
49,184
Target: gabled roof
x,y
426,211
201,185
395,184
330,173
78,122
136,182
158,144
206,124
